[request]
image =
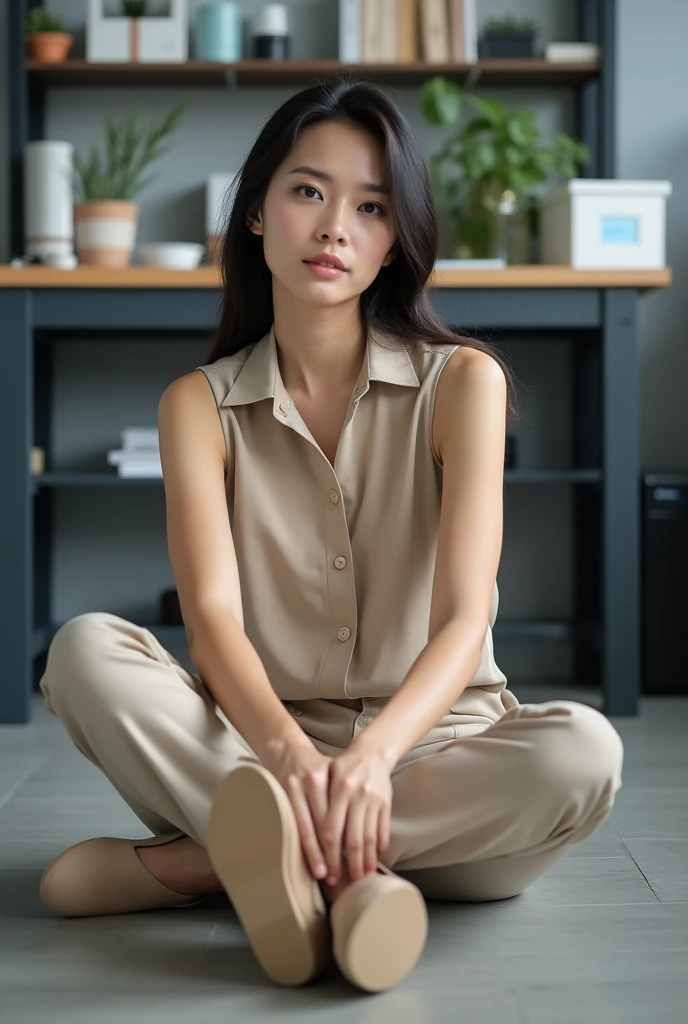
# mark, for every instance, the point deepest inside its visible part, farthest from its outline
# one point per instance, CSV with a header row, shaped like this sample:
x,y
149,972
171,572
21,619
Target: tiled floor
x,y
602,937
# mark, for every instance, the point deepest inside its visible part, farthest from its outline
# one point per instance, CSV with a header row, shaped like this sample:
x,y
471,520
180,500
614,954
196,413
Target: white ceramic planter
x,y
105,231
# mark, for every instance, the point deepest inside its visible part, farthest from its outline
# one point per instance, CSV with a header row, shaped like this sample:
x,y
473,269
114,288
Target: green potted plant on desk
x,y
105,217
46,39
486,175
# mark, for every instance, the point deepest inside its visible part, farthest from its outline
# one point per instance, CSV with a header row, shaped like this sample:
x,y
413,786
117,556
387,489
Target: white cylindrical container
x,y
48,199
271,20
270,32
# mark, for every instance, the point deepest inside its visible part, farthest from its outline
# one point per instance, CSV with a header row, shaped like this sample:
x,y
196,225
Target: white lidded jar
x,y
48,199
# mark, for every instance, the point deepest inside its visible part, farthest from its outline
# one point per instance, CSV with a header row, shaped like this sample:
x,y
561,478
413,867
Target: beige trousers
x,y
477,817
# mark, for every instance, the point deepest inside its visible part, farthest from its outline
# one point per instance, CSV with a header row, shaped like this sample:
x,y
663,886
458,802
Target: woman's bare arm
x,y
204,565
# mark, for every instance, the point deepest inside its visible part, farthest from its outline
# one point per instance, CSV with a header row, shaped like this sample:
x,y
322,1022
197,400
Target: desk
x,y
598,309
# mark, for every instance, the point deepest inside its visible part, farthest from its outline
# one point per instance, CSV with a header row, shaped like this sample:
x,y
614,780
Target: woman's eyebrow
x,y
365,186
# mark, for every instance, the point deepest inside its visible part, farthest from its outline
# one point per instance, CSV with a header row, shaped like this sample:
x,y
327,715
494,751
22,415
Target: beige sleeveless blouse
x,y
336,564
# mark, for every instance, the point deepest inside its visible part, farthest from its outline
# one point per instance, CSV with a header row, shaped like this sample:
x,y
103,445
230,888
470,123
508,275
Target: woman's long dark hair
x,y
396,302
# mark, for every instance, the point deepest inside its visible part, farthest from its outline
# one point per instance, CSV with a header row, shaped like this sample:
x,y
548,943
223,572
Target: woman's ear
x,y
390,255
255,224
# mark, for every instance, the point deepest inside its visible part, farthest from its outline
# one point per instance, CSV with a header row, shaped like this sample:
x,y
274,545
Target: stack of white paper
x,y
139,455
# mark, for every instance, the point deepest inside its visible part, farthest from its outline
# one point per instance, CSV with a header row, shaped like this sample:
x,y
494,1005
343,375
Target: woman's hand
x,y
356,824
303,773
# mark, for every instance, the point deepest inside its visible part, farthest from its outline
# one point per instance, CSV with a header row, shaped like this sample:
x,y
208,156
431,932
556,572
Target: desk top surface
x,y
534,275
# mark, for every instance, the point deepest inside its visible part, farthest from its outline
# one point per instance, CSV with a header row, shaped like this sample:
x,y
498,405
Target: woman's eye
x,y
311,188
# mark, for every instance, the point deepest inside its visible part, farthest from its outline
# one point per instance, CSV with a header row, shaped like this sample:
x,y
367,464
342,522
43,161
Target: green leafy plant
x,y
41,20
500,146
508,26
129,150
499,154
134,8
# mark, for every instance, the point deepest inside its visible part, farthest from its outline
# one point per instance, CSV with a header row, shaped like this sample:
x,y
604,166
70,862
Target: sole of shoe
x,y
379,927
255,849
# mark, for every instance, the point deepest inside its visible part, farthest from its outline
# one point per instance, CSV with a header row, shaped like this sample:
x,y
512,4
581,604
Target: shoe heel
x,y
379,927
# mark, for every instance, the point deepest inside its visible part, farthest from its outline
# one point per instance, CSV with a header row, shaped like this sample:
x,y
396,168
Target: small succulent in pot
x,y
105,219
507,37
46,39
134,8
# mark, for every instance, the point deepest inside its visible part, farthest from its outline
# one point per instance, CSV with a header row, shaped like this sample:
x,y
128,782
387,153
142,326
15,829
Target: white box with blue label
x,y
605,223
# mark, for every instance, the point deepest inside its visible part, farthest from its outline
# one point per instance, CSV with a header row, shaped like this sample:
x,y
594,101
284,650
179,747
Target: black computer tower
x,y
664,580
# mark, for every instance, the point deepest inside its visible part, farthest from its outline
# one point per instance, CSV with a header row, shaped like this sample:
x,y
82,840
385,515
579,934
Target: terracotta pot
x,y
105,231
49,47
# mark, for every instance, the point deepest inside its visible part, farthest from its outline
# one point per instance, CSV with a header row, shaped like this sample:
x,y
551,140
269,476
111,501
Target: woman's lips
x,y
321,271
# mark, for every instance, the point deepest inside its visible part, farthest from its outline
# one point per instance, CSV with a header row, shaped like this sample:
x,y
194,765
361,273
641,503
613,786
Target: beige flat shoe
x,y
105,876
255,849
379,927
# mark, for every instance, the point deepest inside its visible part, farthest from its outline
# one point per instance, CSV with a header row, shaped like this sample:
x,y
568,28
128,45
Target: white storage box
x,y
151,39
605,223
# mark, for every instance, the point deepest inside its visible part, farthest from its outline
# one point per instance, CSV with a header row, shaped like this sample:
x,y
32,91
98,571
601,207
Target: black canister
x,y
272,47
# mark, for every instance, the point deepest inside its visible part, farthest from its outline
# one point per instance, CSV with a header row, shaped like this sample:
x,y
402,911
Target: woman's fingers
x,y
307,832
383,827
333,832
315,789
355,823
370,834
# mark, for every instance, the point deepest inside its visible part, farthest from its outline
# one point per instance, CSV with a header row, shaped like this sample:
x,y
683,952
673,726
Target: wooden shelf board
x,y
517,276
272,72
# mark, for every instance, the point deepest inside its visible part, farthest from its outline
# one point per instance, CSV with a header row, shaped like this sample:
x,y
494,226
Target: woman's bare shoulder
x,y
188,405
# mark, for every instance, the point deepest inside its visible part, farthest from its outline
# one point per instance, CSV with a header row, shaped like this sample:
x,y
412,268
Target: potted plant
x,y
46,39
507,37
105,217
486,175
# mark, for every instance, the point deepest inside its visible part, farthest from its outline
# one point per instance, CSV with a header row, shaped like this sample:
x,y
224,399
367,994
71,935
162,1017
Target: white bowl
x,y
173,255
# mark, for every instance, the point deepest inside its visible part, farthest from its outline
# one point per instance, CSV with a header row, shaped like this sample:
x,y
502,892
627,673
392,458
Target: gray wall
x,y
109,386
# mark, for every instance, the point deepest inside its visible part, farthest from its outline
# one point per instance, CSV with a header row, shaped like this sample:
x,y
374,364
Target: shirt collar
x,y
260,376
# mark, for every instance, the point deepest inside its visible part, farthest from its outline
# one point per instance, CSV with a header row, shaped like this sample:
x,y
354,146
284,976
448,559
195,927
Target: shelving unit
x,y
597,310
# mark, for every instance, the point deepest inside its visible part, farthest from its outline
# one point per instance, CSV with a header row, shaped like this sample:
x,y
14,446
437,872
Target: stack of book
x,y
139,455
396,31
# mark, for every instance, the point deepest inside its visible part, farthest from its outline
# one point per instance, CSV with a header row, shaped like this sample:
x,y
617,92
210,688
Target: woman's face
x,y
336,210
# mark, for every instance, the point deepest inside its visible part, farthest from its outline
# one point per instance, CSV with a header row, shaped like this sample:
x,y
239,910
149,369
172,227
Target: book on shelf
x,y
449,31
401,31
572,52
463,31
139,470
139,437
136,462
434,25
378,31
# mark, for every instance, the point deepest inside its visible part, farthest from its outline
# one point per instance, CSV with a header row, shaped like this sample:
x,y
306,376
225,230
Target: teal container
x,y
218,31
